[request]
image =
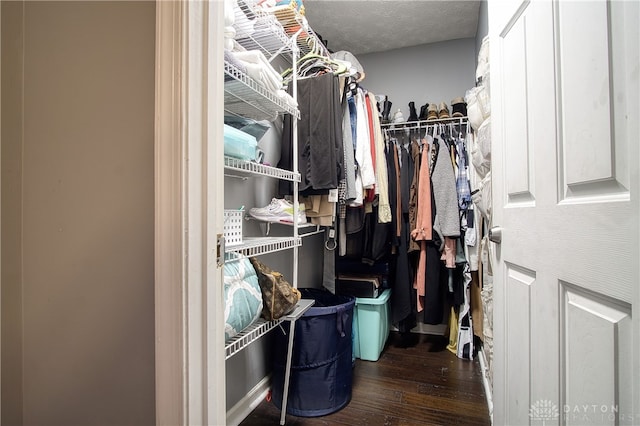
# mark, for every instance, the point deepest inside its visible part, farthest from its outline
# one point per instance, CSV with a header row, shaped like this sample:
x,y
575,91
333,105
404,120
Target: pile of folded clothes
x,y
242,27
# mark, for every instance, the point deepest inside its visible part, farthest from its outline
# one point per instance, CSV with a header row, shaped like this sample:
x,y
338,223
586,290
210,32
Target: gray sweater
x,y
447,220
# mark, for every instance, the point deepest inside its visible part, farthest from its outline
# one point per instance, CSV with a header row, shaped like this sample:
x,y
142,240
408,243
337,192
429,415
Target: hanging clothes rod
x,y
408,125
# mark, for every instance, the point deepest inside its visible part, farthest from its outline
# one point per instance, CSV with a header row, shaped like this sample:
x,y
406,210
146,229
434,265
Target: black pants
x,y
320,152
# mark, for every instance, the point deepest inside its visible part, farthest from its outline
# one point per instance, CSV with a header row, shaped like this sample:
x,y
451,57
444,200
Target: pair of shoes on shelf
x,y
423,112
386,110
398,117
443,111
413,116
432,112
279,210
437,112
458,107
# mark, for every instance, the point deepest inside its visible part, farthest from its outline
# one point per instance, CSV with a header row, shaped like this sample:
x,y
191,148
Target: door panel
x,y
518,155
518,339
564,89
586,137
586,114
595,336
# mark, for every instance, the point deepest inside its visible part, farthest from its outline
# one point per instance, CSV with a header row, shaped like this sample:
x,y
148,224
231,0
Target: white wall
x,y
82,197
432,73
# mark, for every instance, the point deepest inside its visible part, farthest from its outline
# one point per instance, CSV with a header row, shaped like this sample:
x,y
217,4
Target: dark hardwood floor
x,y
424,384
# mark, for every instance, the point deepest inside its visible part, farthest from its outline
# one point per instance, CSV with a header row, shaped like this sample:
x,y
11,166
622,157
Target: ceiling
x,y
364,26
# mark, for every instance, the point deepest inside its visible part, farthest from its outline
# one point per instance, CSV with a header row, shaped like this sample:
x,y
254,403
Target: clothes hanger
x,y
313,68
336,67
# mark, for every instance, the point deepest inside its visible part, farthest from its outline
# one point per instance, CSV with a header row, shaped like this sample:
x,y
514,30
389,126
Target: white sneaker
x,y
279,210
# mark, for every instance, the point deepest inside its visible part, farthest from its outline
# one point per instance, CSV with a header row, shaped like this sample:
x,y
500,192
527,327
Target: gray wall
x,y
432,73
78,213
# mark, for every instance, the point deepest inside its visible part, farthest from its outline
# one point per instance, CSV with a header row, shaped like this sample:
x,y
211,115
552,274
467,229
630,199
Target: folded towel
x,y
229,32
259,68
287,98
228,57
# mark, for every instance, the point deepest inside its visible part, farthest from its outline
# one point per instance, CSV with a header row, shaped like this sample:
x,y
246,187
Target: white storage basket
x,y
233,226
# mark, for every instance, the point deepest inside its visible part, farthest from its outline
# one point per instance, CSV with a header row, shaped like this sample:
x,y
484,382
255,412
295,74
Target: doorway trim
x,y
190,365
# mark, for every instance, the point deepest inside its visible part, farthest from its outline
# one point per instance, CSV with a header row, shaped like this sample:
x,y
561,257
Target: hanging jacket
x,y
382,180
447,222
363,143
349,159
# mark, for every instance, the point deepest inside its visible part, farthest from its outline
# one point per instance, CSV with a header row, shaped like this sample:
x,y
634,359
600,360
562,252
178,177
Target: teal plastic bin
x,y
371,326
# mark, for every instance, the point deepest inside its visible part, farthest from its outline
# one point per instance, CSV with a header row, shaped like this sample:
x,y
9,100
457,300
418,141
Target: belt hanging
x,y
330,242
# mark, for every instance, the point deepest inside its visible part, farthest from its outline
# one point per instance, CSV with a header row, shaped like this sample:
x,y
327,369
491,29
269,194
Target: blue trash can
x,y
321,367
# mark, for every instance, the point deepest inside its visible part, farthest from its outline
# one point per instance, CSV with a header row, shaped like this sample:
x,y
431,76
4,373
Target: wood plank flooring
x,y
424,384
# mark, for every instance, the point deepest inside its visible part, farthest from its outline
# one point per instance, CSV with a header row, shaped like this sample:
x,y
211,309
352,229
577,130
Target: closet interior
x,y
328,184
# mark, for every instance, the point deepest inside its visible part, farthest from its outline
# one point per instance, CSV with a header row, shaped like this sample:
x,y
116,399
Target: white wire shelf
x,y
248,336
258,30
293,21
309,229
244,97
260,245
262,327
270,30
252,168
304,229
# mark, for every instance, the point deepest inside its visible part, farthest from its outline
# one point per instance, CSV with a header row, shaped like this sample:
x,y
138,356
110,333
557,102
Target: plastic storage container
x,y
239,144
321,365
371,326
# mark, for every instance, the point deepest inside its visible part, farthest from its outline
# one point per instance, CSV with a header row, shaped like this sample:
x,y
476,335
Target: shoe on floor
x,y
279,210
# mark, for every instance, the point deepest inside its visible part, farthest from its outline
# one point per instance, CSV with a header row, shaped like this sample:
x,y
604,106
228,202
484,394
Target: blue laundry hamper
x,y
321,366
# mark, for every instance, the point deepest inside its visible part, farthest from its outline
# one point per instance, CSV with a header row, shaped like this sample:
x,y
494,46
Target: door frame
x,y
0,210
190,362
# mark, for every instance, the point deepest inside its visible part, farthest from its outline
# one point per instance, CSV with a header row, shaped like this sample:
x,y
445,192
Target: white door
x,y
564,91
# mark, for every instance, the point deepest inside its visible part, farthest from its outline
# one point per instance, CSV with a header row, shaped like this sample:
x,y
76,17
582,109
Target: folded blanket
x,y
287,98
261,75
242,297
259,68
228,57
257,58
